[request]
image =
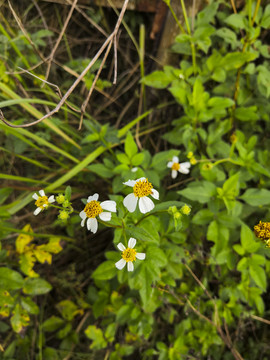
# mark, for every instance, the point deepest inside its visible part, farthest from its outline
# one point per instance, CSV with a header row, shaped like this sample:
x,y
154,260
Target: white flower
x,y
141,189
129,255
42,201
94,208
176,166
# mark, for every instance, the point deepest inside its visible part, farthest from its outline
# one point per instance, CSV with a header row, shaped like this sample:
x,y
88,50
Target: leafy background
x,y
201,293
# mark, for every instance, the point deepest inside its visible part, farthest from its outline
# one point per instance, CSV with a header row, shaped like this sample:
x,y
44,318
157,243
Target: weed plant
x,y
132,238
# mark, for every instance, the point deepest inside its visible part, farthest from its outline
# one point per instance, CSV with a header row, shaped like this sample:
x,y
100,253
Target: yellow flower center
x,y
262,230
93,209
175,166
129,254
41,201
142,188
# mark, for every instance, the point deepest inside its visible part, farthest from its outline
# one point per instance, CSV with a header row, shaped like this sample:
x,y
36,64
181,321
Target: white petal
x,y
184,168
121,247
83,215
170,164
37,211
108,205
82,222
130,202
134,169
175,159
145,204
51,199
42,193
45,205
105,216
140,179
92,225
140,256
120,264
130,183
35,196
131,243
186,164
94,197
130,266
174,174
155,194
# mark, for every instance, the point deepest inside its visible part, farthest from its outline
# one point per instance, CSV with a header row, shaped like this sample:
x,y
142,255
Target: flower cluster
x,y
94,209
262,231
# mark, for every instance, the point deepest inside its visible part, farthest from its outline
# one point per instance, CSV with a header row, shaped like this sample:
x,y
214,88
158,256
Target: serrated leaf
x,y
68,309
42,256
157,79
140,234
199,191
53,246
27,262
137,159
256,197
122,158
156,256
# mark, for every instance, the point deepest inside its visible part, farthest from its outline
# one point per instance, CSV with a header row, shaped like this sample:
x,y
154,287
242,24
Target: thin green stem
x,y
256,12
185,16
176,19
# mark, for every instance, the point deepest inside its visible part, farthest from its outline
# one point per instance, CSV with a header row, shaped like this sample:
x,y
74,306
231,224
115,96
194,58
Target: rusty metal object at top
x,y
138,5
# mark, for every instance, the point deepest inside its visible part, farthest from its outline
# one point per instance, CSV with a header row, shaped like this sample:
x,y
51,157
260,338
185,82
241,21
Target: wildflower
x,y
63,215
185,209
262,230
94,208
176,166
141,189
42,201
60,199
193,161
190,155
129,255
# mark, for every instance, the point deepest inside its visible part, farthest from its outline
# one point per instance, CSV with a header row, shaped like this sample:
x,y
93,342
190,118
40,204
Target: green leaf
x,y
141,234
10,279
246,113
137,159
123,159
68,193
52,324
105,271
236,59
68,309
29,305
242,264
199,191
130,146
235,21
227,35
256,197
53,246
220,102
36,286
258,275
27,262
96,334
248,239
202,217
157,79
157,256
238,248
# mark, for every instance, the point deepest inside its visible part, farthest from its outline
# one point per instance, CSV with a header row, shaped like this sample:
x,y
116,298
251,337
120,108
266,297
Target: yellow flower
x,y
42,201
129,255
141,189
262,230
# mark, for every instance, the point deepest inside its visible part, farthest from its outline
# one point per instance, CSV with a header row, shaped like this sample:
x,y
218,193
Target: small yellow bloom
x,y
190,155
185,209
42,201
129,255
262,230
193,161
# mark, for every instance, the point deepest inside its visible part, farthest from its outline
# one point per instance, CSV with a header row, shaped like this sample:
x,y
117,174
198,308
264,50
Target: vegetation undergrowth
x,y
133,236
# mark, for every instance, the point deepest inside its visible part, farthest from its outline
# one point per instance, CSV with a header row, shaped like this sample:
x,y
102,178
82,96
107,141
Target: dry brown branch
x,y
59,38
106,43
